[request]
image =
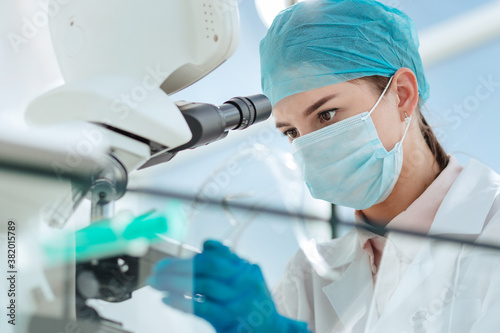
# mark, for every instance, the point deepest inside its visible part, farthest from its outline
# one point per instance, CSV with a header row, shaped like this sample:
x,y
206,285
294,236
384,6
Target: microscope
x,y
121,60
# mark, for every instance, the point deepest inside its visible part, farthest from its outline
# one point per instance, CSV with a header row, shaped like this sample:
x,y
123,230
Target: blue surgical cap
x,y
317,43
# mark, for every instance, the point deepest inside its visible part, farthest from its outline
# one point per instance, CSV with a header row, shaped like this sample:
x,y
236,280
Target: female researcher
x,y
346,82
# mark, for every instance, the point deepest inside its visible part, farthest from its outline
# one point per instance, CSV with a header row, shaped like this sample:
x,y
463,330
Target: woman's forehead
x,y
304,100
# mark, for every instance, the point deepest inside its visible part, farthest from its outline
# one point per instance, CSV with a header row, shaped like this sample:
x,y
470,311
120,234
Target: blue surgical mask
x,y
346,163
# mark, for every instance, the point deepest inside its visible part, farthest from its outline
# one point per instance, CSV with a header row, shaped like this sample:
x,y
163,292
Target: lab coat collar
x,y
469,200
347,245
463,212
355,281
465,207
356,277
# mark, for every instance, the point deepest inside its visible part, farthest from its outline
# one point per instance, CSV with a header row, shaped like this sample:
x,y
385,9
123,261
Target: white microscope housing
x,y
120,61
121,58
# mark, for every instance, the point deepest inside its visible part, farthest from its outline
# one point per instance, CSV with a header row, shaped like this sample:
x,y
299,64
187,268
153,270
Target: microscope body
x,y
120,61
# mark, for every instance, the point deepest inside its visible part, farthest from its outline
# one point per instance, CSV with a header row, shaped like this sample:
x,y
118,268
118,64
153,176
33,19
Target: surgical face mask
x,y
346,163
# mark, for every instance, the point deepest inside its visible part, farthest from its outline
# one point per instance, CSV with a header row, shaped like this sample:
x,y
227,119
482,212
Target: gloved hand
x,y
229,292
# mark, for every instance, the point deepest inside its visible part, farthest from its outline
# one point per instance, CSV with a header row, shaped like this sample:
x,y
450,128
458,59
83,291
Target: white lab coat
x,y
446,288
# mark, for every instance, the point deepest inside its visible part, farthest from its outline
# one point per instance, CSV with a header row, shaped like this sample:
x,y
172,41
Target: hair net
x,y
317,43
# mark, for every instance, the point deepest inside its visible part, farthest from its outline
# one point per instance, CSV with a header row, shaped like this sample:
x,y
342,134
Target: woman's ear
x,y
405,86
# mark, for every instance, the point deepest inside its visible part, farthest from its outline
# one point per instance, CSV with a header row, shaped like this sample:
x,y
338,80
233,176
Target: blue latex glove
x,y
232,293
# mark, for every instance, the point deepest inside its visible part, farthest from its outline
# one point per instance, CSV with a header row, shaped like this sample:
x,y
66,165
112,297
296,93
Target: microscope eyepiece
x,y
209,123
251,109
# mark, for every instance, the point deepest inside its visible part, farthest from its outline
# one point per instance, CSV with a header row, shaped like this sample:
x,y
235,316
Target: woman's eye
x,y
291,133
327,115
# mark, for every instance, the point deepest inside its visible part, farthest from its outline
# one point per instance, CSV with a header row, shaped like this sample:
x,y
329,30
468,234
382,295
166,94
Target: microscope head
x,y
121,58
180,41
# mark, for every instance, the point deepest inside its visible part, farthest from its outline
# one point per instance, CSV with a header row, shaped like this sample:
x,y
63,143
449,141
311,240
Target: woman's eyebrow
x,y
311,109
279,125
318,104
